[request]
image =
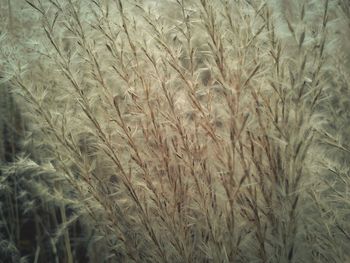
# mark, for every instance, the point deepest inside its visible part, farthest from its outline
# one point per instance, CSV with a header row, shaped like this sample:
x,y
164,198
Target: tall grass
x,y
182,131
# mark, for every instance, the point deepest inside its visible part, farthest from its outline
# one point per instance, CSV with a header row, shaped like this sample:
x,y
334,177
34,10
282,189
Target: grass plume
x,y
180,131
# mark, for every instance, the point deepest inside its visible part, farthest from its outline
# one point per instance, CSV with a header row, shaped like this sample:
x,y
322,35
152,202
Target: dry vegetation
x,y
174,131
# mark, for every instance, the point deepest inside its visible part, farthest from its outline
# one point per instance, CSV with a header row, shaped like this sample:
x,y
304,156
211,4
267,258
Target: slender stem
x,y
10,15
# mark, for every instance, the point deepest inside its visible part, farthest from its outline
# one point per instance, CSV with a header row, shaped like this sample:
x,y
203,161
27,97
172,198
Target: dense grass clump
x,y
176,131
